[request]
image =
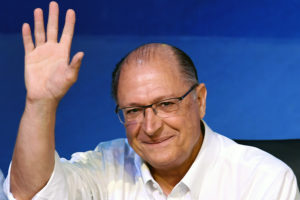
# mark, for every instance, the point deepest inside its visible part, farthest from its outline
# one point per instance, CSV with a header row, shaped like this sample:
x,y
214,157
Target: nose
x,y
151,123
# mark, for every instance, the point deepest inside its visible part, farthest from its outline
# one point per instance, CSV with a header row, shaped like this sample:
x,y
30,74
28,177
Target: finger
x,y
52,26
76,61
68,31
72,72
39,30
27,38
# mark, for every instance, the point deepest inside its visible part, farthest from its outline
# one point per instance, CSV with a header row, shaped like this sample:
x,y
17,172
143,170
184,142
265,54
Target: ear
x,y
201,97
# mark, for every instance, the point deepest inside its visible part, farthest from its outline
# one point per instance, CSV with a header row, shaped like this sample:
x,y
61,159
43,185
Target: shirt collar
x,y
204,161
143,169
146,176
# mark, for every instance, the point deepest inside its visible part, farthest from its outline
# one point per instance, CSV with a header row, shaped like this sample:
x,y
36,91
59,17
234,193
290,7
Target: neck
x,y
167,178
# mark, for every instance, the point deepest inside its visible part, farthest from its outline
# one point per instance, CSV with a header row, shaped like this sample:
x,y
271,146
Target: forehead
x,y
144,81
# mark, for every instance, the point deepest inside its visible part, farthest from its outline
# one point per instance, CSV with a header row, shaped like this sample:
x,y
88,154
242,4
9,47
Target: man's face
x,y
162,142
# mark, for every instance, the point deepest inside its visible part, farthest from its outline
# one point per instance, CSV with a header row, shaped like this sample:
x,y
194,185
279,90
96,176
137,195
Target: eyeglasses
x,y
164,108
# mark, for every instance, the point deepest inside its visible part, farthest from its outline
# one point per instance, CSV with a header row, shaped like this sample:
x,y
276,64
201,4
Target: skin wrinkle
x,y
168,145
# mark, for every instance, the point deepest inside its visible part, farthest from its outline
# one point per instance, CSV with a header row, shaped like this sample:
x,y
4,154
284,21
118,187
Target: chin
x,y
162,161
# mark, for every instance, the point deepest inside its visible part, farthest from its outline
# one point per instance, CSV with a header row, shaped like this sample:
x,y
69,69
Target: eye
x,y
166,104
133,111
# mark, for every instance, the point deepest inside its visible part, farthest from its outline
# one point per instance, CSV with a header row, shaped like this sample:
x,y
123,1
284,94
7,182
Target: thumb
x,y
76,61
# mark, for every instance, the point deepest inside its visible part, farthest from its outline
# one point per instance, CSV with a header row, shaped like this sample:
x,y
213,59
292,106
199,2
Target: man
x,y
170,153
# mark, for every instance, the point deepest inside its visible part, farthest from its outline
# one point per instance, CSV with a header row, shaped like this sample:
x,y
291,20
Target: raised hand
x,y
48,73
48,76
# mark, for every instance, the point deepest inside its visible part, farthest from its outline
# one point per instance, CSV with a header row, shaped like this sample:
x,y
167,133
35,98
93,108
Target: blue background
x,y
246,52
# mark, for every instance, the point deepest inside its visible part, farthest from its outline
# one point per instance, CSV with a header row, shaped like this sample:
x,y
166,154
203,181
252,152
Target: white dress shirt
x,y
223,170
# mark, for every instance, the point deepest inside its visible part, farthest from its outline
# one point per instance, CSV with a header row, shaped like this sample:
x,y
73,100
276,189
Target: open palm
x,y
48,73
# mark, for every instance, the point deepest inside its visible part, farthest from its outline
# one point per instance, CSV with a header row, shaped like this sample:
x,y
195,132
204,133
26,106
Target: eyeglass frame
x,y
151,105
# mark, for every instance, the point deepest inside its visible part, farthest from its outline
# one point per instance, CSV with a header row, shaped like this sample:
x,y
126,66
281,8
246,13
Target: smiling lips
x,y
159,140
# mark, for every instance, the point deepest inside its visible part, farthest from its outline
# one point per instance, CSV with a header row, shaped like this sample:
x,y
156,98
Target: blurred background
x,y
246,52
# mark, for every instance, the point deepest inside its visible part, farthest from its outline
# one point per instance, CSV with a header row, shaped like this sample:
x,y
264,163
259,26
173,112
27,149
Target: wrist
x,y
42,106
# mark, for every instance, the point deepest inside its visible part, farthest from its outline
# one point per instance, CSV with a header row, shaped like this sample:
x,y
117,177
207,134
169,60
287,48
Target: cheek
x,y
174,122
186,123
183,121
176,125
132,132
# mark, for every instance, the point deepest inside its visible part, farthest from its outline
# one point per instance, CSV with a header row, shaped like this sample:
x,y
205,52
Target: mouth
x,y
159,141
